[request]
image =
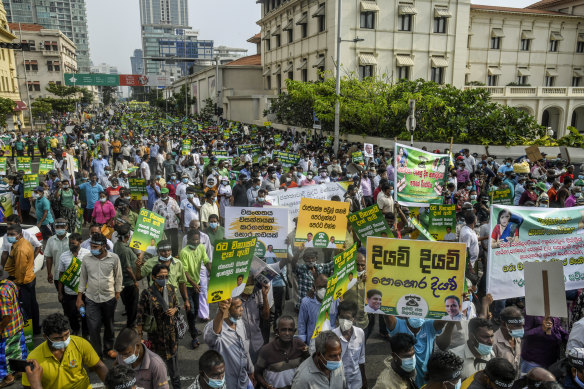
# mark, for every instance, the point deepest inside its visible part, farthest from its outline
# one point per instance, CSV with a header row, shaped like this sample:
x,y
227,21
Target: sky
x,y
114,25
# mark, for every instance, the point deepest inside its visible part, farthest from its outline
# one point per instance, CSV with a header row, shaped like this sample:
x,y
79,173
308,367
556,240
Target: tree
x,y
375,107
62,90
6,108
87,96
41,109
208,111
59,105
180,98
108,94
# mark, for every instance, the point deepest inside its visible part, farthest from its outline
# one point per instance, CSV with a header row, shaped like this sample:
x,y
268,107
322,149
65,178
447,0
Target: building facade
x,y
68,16
48,55
137,62
104,68
8,76
532,58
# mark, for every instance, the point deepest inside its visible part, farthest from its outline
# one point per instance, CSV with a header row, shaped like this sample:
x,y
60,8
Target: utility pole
x,y
411,120
338,87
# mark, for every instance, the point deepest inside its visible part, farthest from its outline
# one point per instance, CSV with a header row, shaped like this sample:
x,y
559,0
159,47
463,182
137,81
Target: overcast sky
x,y
114,25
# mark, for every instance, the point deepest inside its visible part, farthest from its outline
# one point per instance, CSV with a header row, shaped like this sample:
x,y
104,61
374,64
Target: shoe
x,y
195,343
112,354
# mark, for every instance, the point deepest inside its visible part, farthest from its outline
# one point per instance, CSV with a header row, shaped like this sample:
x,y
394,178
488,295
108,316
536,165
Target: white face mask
x,y
320,293
360,273
345,324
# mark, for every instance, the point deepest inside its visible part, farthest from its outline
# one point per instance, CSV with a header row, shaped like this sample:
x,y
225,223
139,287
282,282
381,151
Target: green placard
x,y
70,277
138,189
186,147
323,313
277,139
221,153
230,268
357,157
46,165
254,150
31,181
28,335
286,159
2,166
346,270
24,164
501,196
421,228
148,231
369,222
440,217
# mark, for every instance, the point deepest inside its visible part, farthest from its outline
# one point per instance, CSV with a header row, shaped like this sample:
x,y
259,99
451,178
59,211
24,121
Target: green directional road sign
x,y
96,79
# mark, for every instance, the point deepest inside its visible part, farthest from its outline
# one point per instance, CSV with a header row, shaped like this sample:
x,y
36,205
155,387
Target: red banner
x,y
133,80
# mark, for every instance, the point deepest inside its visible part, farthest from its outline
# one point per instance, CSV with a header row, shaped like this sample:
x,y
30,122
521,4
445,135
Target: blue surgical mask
x,y
484,349
165,259
132,358
261,199
408,364
458,385
391,192
233,319
95,252
161,282
215,383
60,232
517,333
468,187
185,180
332,365
61,344
11,239
416,322
213,225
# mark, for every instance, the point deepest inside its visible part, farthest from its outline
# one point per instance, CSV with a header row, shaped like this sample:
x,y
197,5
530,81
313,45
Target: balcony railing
x,y
531,91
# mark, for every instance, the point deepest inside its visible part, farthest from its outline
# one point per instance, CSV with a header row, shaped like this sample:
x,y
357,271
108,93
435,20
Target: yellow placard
x,y
415,278
321,223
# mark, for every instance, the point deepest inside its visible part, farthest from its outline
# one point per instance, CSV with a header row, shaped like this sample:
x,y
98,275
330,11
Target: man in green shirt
x,y
131,292
215,231
176,270
193,256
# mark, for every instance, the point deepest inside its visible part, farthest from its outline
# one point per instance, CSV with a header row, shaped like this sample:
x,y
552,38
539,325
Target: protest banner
x,y
277,139
45,166
291,197
148,231
501,196
138,189
413,277
28,335
24,164
254,150
31,181
416,223
230,268
368,150
70,277
369,222
286,159
323,319
533,153
2,166
440,217
345,270
6,208
528,234
269,225
419,176
221,153
186,147
357,157
541,299
321,223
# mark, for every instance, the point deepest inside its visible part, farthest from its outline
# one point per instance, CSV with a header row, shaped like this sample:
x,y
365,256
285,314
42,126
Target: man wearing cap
x,y
209,208
507,341
100,281
43,213
168,208
498,374
56,245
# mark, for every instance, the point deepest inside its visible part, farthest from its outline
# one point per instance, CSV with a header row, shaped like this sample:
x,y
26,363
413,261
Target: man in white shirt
x,y
352,345
26,234
449,236
469,237
190,207
145,168
181,188
96,229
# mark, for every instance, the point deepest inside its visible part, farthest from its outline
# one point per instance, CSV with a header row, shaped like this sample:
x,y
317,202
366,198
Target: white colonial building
x,y
532,58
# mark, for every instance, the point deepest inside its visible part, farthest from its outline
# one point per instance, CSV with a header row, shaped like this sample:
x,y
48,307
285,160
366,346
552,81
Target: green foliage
x,y
377,108
87,96
59,105
41,109
180,100
208,111
6,108
108,94
62,90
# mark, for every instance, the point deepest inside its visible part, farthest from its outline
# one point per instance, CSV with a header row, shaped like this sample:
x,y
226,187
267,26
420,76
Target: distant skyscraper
x,y
68,16
137,62
167,12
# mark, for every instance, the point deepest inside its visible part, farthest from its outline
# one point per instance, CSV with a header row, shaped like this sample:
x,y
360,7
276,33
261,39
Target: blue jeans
x,y
193,297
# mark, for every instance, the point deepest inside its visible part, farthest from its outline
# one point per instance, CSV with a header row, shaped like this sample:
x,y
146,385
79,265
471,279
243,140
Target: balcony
x,y
531,91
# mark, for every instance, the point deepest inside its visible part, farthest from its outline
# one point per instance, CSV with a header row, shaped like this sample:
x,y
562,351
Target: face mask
x,y
224,183
578,195
165,259
332,365
248,289
473,197
161,282
173,178
484,349
458,385
309,177
185,180
416,322
213,225
508,163
11,239
323,174
233,319
288,179
36,195
131,359
61,344
215,383
158,177
517,333
468,187
193,246
60,232
190,195
102,199
299,175
256,187
95,252
345,324
65,186
261,199
164,198
543,205
408,364
360,273
128,198
320,293
99,156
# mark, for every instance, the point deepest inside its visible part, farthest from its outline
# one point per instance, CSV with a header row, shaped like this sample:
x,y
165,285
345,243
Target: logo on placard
x,y
412,305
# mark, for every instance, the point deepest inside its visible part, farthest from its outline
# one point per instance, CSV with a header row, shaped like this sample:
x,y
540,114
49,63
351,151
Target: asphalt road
x,y
377,348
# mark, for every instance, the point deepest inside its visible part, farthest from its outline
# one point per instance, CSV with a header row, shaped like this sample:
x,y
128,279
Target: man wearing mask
x,y
469,237
61,349
352,345
252,192
98,165
193,256
130,293
226,335
95,229
309,308
181,188
278,360
92,190
322,176
271,183
261,199
43,212
239,192
209,208
400,371
324,368
56,245
507,340
307,272
149,367
168,208
67,296
308,180
100,281
357,295
478,349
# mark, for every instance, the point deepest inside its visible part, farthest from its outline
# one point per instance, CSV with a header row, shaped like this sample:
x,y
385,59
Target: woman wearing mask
x,y
224,194
103,211
529,194
67,199
159,302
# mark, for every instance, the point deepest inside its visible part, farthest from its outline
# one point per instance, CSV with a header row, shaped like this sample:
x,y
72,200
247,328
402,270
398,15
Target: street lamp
x,y
338,86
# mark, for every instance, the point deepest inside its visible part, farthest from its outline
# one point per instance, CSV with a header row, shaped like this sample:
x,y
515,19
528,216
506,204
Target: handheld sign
x,y
148,230
544,289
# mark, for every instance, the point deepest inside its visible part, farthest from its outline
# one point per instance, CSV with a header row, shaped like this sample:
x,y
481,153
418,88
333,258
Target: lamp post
x,y
338,86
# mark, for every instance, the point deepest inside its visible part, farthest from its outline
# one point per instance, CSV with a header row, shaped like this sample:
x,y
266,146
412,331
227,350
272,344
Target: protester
x,y
12,341
400,371
324,368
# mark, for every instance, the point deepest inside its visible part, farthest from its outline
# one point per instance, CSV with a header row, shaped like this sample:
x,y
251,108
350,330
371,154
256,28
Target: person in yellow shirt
x,y
116,149
62,357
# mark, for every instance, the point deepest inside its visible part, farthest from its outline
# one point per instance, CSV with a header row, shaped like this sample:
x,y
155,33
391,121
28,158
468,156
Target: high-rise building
x,y
164,12
104,68
137,62
68,16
